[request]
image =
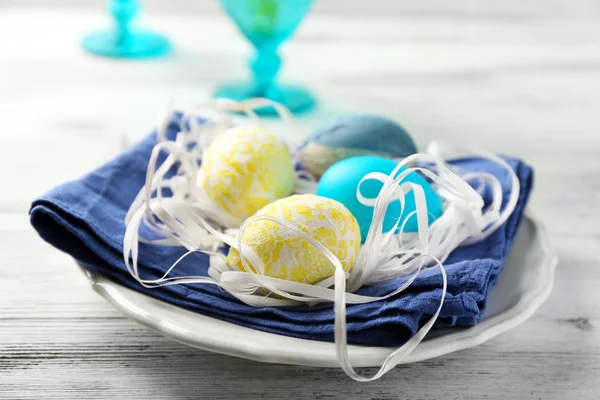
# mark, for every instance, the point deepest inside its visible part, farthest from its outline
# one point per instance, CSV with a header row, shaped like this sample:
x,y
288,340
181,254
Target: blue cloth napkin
x,y
85,218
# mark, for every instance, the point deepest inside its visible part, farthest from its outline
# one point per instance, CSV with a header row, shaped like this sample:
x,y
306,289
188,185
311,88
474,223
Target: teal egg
x,y
351,135
341,180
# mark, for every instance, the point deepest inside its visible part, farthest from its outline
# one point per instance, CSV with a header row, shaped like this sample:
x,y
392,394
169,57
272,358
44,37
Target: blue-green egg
x,y
351,135
341,181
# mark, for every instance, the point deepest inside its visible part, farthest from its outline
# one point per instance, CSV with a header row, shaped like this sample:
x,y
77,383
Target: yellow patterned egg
x,y
286,255
246,168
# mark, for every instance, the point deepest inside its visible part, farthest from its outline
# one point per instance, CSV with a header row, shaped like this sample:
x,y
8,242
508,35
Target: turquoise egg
x,y
351,135
341,180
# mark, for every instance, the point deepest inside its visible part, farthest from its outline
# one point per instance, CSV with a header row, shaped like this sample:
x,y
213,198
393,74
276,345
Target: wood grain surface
x,y
517,77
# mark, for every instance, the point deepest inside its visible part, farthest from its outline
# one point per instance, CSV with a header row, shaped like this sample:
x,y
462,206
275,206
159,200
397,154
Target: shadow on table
x,y
179,372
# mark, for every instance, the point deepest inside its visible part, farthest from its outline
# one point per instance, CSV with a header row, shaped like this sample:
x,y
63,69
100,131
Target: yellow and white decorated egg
x,y
246,168
286,255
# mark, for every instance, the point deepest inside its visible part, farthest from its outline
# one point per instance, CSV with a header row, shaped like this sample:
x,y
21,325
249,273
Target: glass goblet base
x,y
298,100
139,44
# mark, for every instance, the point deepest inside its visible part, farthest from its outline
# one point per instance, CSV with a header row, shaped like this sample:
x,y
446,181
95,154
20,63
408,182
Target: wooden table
x,y
517,78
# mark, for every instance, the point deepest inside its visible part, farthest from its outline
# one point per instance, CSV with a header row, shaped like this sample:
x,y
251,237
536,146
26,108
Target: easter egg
x,y
353,135
286,255
341,181
245,168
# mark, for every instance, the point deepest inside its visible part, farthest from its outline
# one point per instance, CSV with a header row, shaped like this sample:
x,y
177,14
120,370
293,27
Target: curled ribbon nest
x,y
175,208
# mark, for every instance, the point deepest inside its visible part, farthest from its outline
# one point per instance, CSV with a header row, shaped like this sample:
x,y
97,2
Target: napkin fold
x,y
85,218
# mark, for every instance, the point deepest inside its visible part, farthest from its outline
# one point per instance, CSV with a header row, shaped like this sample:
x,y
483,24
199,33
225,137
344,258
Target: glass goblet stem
x,y
265,65
123,12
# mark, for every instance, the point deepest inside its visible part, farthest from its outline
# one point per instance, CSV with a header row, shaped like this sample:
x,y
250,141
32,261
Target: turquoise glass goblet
x,y
125,41
267,24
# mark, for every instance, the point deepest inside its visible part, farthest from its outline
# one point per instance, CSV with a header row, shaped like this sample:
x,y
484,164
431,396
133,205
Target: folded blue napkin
x,y
85,218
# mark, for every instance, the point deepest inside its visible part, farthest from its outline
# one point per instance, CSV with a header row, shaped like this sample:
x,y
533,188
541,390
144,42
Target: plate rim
x,y
441,345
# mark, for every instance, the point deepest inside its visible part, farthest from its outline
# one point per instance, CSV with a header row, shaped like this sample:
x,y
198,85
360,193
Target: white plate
x,y
522,287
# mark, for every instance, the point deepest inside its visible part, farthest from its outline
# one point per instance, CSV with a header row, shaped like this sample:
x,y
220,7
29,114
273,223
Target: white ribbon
x,y
183,219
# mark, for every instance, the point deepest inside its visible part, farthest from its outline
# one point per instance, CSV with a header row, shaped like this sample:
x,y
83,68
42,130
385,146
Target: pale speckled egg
x,y
246,168
287,256
350,135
